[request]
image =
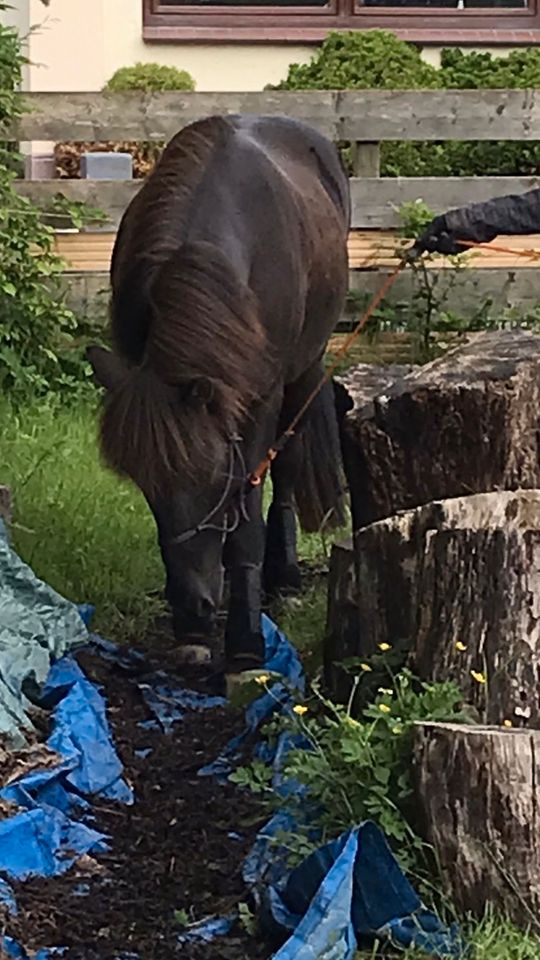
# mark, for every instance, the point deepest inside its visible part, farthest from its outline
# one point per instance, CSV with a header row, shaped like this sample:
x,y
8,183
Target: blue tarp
x,y
345,891
37,626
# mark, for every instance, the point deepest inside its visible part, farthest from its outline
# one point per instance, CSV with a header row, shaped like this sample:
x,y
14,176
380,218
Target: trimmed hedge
x,y
376,59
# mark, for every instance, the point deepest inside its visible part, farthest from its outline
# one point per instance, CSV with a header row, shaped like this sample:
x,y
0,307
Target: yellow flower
x,y
507,723
386,691
299,709
397,729
385,646
365,667
384,708
263,679
479,677
460,646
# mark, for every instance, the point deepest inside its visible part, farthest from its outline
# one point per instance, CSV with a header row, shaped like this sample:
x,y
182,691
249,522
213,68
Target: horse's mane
x,y
188,326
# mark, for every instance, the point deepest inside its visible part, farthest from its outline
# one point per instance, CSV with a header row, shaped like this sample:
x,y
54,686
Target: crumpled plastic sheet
x,y
207,930
13,951
44,842
37,626
170,703
81,735
43,839
357,881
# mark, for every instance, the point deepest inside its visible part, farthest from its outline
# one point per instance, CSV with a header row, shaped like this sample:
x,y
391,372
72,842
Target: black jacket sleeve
x,y
482,222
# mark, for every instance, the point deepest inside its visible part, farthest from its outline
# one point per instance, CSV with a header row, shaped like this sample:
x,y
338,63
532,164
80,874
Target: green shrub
x,y
376,59
150,77
354,60
37,331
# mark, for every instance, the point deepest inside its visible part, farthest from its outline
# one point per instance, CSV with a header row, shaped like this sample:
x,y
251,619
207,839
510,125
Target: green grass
x,y
492,938
81,529
84,531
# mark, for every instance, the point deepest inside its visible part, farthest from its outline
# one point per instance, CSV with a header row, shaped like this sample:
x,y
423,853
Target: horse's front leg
x,y
243,558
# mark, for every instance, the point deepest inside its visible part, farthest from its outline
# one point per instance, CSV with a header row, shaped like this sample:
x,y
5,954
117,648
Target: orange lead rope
x,y
528,254
258,475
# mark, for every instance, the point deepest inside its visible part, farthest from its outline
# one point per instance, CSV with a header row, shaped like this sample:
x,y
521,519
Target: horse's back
x,y
292,143
270,194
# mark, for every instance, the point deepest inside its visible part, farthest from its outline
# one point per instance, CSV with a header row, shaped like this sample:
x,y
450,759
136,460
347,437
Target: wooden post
x,y
478,792
366,159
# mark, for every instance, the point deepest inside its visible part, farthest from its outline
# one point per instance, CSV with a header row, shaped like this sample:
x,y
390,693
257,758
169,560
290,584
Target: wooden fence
x,y
365,118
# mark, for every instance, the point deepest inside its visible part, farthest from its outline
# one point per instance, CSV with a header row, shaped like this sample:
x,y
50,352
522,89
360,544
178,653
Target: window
x,y
303,21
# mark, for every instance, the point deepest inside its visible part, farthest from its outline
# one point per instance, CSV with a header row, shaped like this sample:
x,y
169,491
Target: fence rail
x,y
375,201
363,116
366,118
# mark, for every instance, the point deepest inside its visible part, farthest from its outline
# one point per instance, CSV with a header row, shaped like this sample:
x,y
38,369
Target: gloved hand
x,y
444,233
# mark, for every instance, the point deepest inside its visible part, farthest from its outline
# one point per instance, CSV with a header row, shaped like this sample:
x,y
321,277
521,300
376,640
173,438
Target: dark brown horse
x,y
229,273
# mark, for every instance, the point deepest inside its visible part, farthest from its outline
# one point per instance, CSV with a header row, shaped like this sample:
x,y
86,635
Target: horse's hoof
x,y
194,654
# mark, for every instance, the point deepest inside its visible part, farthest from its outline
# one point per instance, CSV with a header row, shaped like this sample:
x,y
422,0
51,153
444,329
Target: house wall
x,y
79,44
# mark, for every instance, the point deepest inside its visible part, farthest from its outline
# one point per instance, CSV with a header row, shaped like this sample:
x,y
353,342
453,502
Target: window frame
x,y
442,25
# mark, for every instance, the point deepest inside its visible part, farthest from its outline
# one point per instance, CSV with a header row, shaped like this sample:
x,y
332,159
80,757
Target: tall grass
x,y
492,938
83,530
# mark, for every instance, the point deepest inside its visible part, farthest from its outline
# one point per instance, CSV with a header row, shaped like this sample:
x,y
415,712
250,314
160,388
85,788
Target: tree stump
x,y
465,423
478,792
455,586
342,618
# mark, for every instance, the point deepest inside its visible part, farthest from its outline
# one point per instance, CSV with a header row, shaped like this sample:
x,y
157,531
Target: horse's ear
x,y
200,391
108,368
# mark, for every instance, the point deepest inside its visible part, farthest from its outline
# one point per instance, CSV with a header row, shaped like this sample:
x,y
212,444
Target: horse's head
x,y
165,439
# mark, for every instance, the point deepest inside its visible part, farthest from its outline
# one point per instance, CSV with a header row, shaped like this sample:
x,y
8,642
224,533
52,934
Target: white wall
x,y
80,43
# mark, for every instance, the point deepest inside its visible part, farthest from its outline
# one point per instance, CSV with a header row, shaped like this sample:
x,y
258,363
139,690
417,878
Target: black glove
x,y
444,233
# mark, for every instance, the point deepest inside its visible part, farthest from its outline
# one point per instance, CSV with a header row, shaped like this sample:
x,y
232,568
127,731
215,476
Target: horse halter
x,y
239,509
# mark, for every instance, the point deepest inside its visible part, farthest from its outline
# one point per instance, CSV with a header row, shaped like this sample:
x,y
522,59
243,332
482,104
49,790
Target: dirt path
x,y
171,852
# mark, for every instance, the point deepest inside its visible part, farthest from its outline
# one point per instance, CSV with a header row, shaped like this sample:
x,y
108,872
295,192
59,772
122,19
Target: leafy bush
x,y
150,77
362,60
378,60
37,330
356,769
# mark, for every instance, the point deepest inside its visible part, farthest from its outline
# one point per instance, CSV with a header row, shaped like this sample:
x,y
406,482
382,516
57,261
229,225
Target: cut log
x,y
465,423
454,585
5,504
478,792
342,618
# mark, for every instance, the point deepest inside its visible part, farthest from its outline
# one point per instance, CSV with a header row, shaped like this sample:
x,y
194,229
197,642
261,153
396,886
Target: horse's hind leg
x,y
281,570
243,557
